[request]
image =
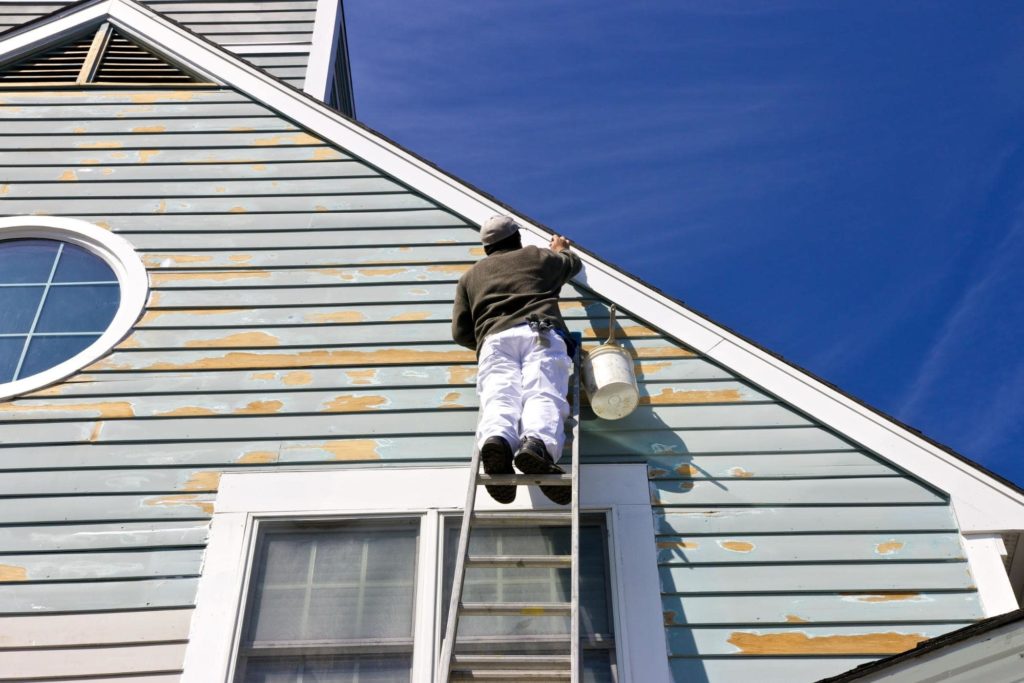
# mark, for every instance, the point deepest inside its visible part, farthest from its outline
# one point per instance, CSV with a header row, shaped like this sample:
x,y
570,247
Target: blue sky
x,y
842,182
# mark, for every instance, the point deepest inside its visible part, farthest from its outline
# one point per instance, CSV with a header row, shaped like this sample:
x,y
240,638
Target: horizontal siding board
x,y
197,155
169,190
245,32
128,127
265,280
874,640
98,113
188,227
92,206
110,628
833,518
101,175
740,549
776,670
684,610
103,660
200,16
119,536
829,577
100,96
105,565
324,256
182,6
36,598
743,466
769,492
106,508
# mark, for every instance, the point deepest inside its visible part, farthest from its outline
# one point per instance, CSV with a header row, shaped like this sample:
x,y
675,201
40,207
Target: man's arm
x,y
463,331
560,245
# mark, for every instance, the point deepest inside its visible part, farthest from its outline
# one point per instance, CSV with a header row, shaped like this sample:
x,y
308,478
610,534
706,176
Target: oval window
x,y
69,292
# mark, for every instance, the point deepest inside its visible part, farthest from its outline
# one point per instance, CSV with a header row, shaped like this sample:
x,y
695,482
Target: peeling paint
x,y
11,572
686,470
241,129
246,339
381,272
102,224
68,176
241,359
325,153
450,400
461,374
161,207
452,268
129,343
794,619
685,485
237,209
352,449
146,154
202,481
260,408
104,410
89,162
187,411
263,375
320,208
622,332
740,473
240,258
257,458
349,403
361,376
410,316
150,316
155,97
881,597
214,276
179,500
291,139
736,546
336,317
220,189
78,130
684,545
259,167
672,396
335,272
888,548
149,129
794,643
669,617
298,378
94,435
655,472
100,144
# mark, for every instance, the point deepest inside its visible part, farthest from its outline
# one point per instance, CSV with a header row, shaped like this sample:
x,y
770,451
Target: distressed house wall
x,y
299,314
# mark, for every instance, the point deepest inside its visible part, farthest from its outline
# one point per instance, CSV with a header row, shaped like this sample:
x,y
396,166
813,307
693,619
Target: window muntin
x,y
56,299
536,635
331,602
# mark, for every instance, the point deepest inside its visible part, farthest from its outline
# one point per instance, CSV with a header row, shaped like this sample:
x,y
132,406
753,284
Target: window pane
x,y
45,352
26,260
81,265
375,669
345,584
10,352
79,308
18,306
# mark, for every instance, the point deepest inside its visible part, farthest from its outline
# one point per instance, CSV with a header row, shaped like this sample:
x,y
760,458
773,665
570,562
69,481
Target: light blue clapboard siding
x,y
299,315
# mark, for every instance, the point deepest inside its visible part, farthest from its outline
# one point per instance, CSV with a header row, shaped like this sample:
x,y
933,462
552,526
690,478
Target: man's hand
x,y
558,244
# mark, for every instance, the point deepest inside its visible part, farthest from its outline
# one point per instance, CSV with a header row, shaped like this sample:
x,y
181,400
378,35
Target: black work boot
x,y
533,458
496,456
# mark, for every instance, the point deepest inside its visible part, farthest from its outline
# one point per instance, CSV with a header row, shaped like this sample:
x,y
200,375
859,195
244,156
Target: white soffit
x,y
982,503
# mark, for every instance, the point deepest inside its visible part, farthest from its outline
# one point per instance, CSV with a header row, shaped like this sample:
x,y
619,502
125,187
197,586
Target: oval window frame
x,y
116,252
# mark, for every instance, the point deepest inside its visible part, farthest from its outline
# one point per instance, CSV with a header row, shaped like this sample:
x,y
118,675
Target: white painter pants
x,y
522,387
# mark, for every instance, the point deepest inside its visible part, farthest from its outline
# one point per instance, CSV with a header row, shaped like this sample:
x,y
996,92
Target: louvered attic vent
x,y
103,58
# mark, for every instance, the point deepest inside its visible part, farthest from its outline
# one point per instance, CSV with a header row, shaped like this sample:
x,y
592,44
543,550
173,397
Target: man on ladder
x,y
506,309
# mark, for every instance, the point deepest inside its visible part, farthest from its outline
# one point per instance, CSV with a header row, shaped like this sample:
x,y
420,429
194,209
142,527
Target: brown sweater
x,y
501,290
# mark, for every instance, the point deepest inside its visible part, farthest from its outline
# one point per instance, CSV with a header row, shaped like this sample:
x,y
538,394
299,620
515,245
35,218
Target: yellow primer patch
x,y
187,411
78,130
4,189
410,316
68,176
325,153
740,473
154,97
477,251
361,376
129,343
257,458
451,268
450,400
240,258
189,258
381,272
11,572
162,206
179,500
737,546
94,435
246,339
298,378
882,597
669,395
335,272
263,375
888,548
102,224
259,167
684,545
107,410
686,470
655,472
146,154
461,374
100,144
789,643
202,481
220,189
620,332
336,317
353,449
349,403
237,209
291,139
241,129
253,361
150,316
794,619
320,208
260,408
215,276
149,129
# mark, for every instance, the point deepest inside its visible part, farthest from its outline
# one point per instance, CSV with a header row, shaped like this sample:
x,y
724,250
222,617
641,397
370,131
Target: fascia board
x,y
48,32
323,49
982,503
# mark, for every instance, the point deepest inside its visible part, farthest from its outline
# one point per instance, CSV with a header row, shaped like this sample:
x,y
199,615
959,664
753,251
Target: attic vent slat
x,y
101,57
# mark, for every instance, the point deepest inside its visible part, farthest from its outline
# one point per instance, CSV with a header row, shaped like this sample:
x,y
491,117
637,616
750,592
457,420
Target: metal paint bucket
x,y
609,379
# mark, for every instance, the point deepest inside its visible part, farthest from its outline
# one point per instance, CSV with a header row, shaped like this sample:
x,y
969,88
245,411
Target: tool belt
x,y
540,324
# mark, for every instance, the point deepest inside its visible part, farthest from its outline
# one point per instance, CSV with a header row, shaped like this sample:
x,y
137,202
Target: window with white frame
x,y
342,576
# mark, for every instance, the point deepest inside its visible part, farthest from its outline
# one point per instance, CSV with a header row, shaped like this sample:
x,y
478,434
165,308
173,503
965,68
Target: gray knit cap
x,y
496,229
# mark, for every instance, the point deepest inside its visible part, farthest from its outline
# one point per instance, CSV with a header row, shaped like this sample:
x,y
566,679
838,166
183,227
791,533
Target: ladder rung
x,y
522,561
526,479
492,675
515,609
479,662
530,518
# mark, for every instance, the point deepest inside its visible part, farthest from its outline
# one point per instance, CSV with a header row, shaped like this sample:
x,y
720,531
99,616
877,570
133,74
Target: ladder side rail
x,y
448,646
574,627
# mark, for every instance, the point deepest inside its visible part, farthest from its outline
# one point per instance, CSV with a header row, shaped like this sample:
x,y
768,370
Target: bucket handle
x,y
611,325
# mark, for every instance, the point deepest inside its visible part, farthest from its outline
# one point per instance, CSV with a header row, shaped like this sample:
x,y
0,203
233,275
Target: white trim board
x,y
248,498
324,49
981,502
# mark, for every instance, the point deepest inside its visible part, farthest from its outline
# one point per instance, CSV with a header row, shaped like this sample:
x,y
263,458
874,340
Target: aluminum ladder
x,y
533,668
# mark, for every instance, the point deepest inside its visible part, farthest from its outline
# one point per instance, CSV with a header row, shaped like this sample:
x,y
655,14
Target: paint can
x,y
608,378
